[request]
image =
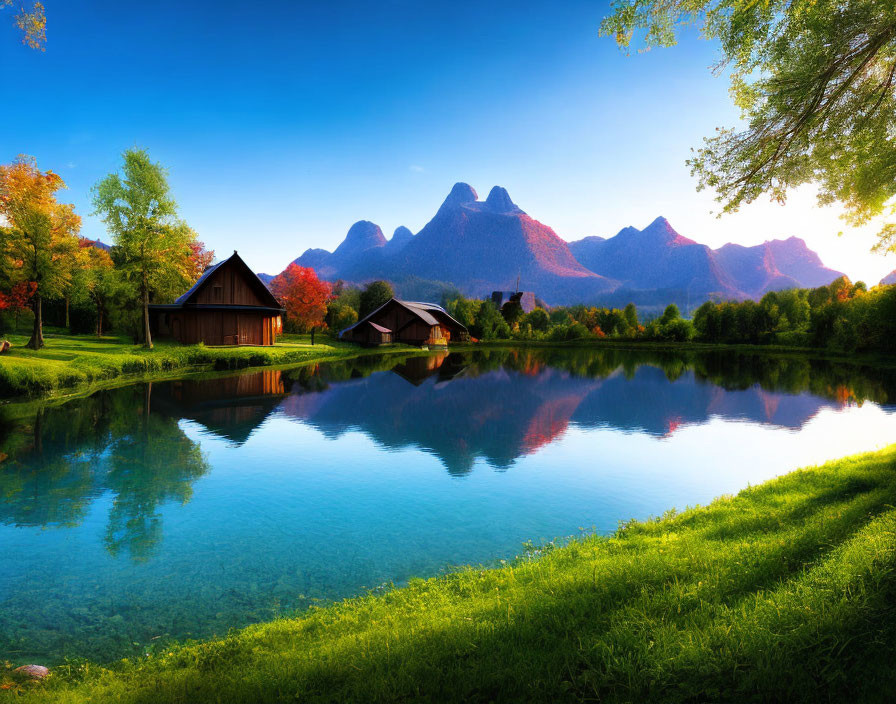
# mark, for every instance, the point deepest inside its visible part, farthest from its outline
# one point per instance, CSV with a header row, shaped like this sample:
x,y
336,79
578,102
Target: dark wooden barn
x,y
409,322
228,305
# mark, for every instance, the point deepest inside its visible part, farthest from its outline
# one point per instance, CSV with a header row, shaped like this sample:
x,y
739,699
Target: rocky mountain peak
x,y
361,236
498,201
461,193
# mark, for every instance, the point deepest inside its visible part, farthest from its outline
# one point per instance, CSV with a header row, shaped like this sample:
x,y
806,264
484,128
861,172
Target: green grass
x,y
82,362
786,592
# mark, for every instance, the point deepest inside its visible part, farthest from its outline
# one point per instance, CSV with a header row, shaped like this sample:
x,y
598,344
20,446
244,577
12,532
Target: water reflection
x,y
112,442
497,405
184,508
503,404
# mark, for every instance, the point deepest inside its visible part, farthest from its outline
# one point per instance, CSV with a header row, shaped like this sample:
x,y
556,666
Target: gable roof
x,y
378,328
263,291
429,313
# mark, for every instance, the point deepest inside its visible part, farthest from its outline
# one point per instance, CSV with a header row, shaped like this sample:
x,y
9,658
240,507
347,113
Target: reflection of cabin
x,y
231,407
443,365
525,299
229,305
408,322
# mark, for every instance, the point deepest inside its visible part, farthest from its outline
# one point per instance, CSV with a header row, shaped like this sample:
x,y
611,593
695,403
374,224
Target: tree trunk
x,y
147,336
16,318
99,320
37,334
68,325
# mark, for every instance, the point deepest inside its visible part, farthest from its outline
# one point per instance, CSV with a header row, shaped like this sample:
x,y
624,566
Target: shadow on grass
x,y
803,611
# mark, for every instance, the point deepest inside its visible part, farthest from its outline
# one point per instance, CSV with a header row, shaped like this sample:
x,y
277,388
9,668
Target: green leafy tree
x,y
671,313
538,319
93,281
488,323
815,81
375,294
154,249
463,310
560,316
631,316
340,315
347,295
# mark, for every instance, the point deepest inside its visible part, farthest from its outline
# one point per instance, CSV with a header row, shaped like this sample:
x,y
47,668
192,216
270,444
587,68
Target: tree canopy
x,y
815,82
155,252
375,294
40,238
303,295
31,22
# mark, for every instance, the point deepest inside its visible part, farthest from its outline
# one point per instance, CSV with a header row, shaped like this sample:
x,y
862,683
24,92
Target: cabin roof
x,y
262,290
422,310
379,328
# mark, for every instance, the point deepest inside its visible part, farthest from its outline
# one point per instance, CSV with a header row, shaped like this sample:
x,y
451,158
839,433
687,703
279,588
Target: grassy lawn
x,y
786,592
78,362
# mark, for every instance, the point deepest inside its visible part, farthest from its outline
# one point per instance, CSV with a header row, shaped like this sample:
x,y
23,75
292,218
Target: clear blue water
x,y
181,509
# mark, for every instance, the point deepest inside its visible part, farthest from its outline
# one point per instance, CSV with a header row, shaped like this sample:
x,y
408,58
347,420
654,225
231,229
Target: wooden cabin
x,y
369,333
409,322
228,305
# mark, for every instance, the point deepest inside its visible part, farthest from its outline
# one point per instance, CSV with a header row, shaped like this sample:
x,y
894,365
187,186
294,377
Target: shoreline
x,y
62,371
786,573
37,376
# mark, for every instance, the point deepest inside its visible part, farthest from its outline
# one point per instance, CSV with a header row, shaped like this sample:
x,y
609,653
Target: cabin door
x,y
231,332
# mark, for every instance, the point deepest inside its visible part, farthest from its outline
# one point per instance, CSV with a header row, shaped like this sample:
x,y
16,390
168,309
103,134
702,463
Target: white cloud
x,y
416,169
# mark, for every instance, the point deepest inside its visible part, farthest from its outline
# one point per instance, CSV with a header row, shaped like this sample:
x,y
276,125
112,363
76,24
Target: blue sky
x,y
282,123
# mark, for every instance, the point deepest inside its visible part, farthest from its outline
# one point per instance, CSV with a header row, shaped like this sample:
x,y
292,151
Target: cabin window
x,y
218,293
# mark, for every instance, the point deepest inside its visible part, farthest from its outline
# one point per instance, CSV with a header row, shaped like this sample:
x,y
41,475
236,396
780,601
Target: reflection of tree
x,y
153,463
82,449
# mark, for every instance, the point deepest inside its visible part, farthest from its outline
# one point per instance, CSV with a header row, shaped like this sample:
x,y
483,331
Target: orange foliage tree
x,y
200,259
41,232
32,23
304,297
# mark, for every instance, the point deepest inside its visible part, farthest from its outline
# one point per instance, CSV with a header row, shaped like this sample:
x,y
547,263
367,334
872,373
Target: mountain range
x,y
480,246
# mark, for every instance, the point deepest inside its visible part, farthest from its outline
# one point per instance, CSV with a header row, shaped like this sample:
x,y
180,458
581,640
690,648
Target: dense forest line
x,y
48,269
843,316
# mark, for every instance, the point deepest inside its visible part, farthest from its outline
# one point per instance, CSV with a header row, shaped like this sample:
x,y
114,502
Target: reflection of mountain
x,y
492,416
496,405
503,414
647,402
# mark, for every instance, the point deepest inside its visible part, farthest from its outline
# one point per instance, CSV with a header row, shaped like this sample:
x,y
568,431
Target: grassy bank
x,y
786,592
72,363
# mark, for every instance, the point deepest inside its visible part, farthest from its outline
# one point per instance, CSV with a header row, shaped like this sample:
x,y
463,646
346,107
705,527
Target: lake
x,y
180,509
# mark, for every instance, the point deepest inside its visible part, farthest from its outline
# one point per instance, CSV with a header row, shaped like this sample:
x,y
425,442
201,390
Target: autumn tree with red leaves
x,y
19,299
200,258
304,297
